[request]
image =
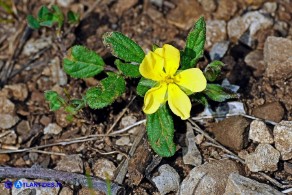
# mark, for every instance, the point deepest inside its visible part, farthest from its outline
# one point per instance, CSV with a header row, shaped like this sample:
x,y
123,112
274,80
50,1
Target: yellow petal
x,y
154,97
192,79
171,56
152,67
179,102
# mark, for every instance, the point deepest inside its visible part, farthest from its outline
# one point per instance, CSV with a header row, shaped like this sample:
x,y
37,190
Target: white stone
x,y
283,139
52,128
238,184
264,158
168,179
259,132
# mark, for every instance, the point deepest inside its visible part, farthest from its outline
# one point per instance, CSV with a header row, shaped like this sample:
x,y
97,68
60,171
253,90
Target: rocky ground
x,y
247,154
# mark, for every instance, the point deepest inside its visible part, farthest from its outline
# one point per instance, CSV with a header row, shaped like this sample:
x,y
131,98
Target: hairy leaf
x,y
195,42
82,62
218,93
111,87
55,100
213,70
200,98
144,85
160,131
129,70
123,47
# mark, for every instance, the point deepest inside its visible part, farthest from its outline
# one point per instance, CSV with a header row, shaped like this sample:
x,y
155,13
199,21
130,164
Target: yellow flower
x,y
161,66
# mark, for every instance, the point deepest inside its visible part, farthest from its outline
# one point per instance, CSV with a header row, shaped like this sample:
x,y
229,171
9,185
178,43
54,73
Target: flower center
x,y
169,79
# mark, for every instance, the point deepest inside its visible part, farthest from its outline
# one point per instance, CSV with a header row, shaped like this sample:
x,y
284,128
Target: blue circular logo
x,y
18,184
8,184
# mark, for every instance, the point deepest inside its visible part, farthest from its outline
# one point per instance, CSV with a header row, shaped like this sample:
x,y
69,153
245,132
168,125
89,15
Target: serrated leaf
x,y
111,87
160,131
200,98
82,62
72,17
195,42
32,22
54,99
123,47
129,70
213,70
144,85
218,93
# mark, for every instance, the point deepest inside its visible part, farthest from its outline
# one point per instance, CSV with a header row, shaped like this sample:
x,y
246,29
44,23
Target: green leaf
x,y
144,85
218,93
111,87
48,23
195,42
213,70
123,47
55,100
72,17
82,62
129,70
58,16
160,131
200,98
32,22
44,14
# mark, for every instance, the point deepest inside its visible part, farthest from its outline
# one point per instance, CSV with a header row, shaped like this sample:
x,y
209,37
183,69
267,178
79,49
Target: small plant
x,y
169,80
50,17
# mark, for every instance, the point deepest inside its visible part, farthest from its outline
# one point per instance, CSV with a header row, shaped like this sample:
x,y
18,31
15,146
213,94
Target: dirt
x,y
37,58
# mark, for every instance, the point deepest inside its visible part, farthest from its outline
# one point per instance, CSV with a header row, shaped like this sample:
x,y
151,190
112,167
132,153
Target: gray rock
x,y
52,128
71,163
255,60
7,121
210,178
283,137
215,32
6,106
251,22
34,45
264,158
104,168
191,153
277,56
127,121
259,132
219,50
238,184
123,141
168,179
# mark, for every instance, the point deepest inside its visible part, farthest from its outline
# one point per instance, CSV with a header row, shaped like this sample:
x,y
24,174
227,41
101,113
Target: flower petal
x,y
171,56
154,97
192,79
179,102
152,67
